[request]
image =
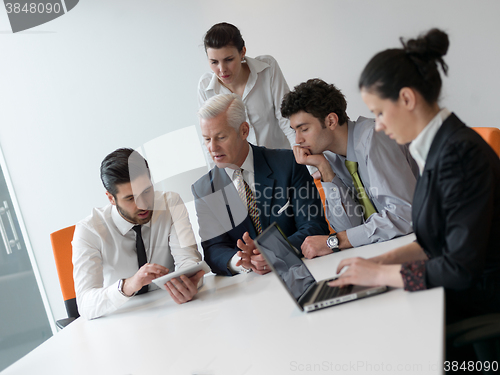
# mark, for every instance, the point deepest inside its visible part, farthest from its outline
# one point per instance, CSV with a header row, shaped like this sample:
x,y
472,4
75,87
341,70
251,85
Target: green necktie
x,y
352,167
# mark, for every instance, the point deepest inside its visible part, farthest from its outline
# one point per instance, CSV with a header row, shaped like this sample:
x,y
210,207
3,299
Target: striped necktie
x,y
352,167
246,196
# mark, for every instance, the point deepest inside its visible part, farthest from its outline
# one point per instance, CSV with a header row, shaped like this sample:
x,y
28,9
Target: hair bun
x,y
434,44
430,47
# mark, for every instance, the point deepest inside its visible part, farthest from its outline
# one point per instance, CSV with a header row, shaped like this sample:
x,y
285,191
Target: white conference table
x,y
248,324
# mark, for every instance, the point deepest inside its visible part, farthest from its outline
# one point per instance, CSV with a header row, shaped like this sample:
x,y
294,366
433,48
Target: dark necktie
x,y
141,253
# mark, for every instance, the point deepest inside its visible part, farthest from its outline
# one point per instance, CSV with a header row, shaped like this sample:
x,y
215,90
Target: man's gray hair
x,y
231,104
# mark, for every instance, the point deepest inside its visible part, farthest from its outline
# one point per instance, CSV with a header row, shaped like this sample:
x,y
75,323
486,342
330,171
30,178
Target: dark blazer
x,y
281,185
456,211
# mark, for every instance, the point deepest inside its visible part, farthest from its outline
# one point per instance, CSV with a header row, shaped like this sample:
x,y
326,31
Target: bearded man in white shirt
x,y
108,269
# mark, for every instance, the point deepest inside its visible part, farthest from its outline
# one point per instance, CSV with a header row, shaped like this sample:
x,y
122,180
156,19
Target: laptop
x,y
308,294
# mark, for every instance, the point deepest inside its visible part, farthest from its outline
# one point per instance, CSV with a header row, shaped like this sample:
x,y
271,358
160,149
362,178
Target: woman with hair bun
x,y
456,205
258,81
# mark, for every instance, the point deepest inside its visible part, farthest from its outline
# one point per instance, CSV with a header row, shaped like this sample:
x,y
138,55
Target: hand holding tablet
x,y
188,271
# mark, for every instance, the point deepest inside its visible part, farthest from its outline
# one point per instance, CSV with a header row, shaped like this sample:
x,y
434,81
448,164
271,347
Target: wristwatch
x,y
120,288
333,243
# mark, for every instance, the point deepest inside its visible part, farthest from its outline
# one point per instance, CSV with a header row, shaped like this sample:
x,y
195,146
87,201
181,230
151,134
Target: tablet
x,y
188,271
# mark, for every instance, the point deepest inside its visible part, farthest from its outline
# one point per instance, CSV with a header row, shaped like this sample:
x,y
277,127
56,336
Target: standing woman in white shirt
x,y
258,81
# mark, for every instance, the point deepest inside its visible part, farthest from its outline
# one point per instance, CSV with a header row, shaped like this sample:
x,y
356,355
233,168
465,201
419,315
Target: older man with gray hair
x,y
249,188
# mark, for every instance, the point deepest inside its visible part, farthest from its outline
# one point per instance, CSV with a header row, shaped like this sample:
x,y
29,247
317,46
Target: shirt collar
x,y
420,146
351,154
214,82
247,164
123,225
255,66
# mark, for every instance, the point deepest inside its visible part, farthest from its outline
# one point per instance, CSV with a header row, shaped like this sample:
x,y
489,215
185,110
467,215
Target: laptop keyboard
x,y
328,292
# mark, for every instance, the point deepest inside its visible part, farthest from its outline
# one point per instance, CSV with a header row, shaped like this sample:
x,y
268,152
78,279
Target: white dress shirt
x,y
249,177
104,251
420,146
388,174
262,97
248,172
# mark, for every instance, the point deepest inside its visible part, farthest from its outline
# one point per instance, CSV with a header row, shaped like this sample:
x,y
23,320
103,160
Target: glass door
x,y
24,322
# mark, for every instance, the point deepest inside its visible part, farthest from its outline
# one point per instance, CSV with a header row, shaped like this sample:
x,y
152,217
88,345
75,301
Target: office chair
x,y
491,136
481,332
61,245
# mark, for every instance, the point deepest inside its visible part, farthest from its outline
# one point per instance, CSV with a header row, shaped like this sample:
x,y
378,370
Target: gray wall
x,y
120,73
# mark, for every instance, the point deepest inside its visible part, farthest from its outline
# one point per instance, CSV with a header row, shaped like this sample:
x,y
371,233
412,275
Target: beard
x,y
134,218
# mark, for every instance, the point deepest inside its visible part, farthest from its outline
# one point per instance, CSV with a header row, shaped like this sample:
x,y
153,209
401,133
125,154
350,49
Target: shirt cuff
x,y
413,274
234,268
311,168
357,235
114,295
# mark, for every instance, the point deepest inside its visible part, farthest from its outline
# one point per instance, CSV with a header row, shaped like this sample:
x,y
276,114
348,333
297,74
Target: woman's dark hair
x,y
317,98
414,65
122,166
223,35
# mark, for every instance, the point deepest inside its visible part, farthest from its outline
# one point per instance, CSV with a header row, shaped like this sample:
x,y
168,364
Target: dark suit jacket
x,y
456,212
279,181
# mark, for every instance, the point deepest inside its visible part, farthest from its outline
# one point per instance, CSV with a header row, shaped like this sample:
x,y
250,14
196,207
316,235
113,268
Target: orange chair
x,y
491,136
61,246
317,182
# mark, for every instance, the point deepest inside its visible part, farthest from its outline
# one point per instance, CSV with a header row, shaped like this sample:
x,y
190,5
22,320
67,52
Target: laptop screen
x,y
280,255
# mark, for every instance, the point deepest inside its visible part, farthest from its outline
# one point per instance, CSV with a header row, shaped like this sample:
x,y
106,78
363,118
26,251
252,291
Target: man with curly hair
x,y
368,179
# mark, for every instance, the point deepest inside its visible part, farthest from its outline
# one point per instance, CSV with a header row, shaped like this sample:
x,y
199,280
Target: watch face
x,y
332,242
